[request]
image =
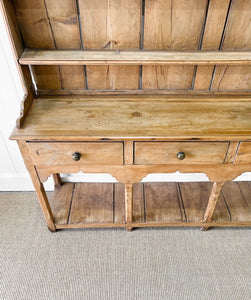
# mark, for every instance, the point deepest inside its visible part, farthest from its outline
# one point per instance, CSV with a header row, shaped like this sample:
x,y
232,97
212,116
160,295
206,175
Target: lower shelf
x,y
79,205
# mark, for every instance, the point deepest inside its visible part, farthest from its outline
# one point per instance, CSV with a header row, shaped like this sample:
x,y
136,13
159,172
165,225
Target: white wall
x,y
13,174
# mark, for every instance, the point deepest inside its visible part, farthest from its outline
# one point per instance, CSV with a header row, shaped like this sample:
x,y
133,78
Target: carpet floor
x,y
165,263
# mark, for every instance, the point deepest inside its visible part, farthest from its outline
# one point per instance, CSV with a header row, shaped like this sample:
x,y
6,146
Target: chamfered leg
x,y
42,197
215,193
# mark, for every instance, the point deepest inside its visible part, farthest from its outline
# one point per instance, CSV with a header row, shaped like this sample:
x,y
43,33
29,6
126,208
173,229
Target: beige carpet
x,y
115,264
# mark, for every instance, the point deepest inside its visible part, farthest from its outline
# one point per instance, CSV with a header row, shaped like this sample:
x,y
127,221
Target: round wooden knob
x,y
76,156
181,155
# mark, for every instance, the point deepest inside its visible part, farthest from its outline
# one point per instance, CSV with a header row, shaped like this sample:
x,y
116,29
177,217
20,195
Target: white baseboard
x,y
23,183
20,183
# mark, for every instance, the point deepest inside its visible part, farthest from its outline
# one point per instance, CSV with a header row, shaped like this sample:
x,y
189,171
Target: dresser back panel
x,y
137,25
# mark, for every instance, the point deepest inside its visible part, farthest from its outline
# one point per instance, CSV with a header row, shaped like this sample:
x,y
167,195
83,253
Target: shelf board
x,y
117,117
154,204
137,57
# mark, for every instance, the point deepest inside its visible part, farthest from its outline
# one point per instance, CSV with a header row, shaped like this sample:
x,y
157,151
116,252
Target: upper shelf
x,y
137,57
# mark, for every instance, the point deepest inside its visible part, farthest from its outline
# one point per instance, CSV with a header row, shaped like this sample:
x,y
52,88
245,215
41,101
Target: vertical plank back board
x,y
214,26
65,28
174,25
109,24
237,36
54,26
36,32
136,24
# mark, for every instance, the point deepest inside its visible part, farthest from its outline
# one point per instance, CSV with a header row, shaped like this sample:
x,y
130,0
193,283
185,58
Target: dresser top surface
x,y
66,118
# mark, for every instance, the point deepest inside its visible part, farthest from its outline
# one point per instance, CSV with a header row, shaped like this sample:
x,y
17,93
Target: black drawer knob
x,y
76,156
181,155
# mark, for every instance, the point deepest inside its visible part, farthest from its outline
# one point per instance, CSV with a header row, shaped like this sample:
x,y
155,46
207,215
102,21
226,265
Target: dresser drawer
x,y
149,153
62,153
244,154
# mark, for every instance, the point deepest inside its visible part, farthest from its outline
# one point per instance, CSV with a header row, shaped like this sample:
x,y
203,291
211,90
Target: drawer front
x,y
244,154
48,154
148,153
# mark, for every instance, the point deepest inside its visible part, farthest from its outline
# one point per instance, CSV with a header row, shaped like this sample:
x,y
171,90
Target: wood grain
x,y
212,202
105,128
143,118
118,27
245,188
138,203
195,198
25,106
154,225
47,77
232,78
162,202
63,18
231,152
183,96
161,209
211,95
238,31
135,173
133,57
92,203
244,154
48,154
239,207
62,198
129,205
113,77
64,24
57,179
150,153
53,27
172,25
33,14
128,152
237,36
39,188
119,203
61,202
73,77
215,20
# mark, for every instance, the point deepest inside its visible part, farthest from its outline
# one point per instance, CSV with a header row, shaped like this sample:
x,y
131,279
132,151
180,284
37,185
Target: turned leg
x,y
129,205
57,180
215,193
42,197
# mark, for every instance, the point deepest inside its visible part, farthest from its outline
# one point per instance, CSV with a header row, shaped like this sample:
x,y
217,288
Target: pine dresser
x,y
131,88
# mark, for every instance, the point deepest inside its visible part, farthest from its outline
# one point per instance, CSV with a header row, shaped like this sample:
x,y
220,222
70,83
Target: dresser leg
x,y
129,205
42,197
57,180
215,193
44,203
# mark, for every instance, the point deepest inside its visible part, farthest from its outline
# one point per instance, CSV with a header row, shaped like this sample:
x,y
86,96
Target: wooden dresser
x,y
131,88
